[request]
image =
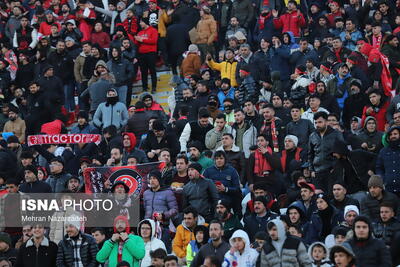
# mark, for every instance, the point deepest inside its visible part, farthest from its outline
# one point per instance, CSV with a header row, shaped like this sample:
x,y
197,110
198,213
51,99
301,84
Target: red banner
x,y
99,179
63,139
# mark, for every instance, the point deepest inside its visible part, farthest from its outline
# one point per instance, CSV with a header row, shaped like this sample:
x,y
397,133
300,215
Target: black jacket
x,y
353,106
169,141
386,231
44,256
302,129
35,187
371,252
53,88
346,201
253,224
320,149
209,250
370,206
63,66
88,251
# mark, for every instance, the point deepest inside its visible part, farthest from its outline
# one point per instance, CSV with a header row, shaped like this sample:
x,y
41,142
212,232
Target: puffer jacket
x,y
162,201
372,139
293,252
247,89
206,30
386,231
88,251
152,245
320,149
290,22
57,227
107,115
387,165
370,206
248,257
226,68
58,181
122,70
183,236
201,194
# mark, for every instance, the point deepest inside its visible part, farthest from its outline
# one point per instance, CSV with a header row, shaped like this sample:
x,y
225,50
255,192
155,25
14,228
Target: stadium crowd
x,y
281,139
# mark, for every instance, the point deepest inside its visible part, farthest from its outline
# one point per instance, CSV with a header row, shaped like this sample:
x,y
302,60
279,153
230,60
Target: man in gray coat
x,y
111,112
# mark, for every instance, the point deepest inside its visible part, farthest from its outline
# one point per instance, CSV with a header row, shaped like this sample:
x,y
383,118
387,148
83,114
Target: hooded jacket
x,y
152,245
133,249
372,139
107,115
286,251
325,262
163,201
133,151
370,252
248,257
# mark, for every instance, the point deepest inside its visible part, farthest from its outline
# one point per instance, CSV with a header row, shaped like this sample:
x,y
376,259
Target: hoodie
x,y
278,244
151,245
133,249
249,256
325,262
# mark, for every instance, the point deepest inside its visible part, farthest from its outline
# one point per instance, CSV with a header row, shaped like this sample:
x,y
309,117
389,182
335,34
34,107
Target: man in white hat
x,y
291,153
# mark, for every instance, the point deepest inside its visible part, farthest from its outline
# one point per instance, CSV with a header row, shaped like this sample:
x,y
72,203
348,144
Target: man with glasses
x,y
58,177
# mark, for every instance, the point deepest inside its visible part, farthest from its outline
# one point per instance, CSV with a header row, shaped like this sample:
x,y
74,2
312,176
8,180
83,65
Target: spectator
x,y
214,136
43,251
201,238
241,251
217,247
157,257
58,177
387,226
299,127
373,252
340,198
295,253
122,246
228,73
191,63
76,243
15,124
342,255
32,184
7,251
285,21
147,231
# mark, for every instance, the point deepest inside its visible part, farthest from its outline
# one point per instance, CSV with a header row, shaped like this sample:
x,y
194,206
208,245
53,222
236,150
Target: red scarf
x,y
261,164
274,134
377,41
337,54
284,157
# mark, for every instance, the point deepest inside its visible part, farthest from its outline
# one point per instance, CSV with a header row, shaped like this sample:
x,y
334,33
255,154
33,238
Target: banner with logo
x,y
63,139
97,179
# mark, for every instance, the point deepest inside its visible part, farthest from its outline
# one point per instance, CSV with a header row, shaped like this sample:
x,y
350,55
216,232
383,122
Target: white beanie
x,y
73,220
351,208
294,139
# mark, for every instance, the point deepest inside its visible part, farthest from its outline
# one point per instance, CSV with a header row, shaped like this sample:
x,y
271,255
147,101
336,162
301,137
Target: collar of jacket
x,y
44,243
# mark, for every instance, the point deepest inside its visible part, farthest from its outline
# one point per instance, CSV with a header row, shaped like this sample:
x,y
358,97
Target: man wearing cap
x,y
15,124
314,103
58,177
77,248
32,184
196,130
257,220
340,199
388,164
159,138
377,195
291,154
307,193
354,103
52,85
71,31
229,220
6,249
200,193
369,251
14,146
83,126
111,112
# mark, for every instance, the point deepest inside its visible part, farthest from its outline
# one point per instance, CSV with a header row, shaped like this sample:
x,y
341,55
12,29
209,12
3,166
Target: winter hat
x,y
196,166
158,125
324,197
119,183
193,48
4,237
145,20
261,199
344,247
375,180
294,139
74,221
156,174
70,21
13,108
84,115
196,144
32,169
351,208
224,203
340,230
69,38
12,139
101,63
57,159
121,5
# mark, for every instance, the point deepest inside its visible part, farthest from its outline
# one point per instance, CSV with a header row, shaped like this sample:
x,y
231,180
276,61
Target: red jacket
x,y
290,22
130,26
45,28
380,116
149,43
101,38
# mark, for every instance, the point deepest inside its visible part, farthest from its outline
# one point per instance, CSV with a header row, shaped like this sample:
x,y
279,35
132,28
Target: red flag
x,y
63,139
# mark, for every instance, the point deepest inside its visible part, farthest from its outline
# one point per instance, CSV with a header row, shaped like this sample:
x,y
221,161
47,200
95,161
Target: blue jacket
x,y
222,97
388,165
279,58
111,115
228,176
